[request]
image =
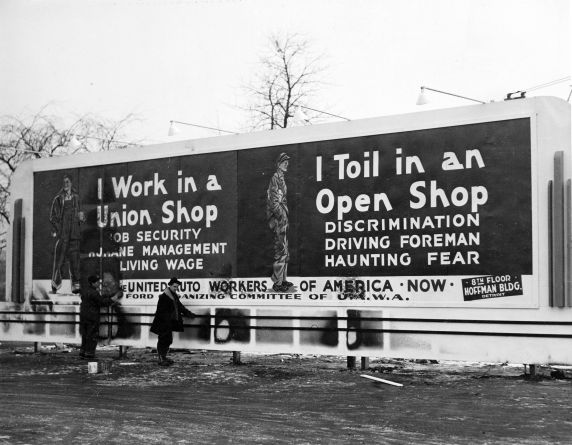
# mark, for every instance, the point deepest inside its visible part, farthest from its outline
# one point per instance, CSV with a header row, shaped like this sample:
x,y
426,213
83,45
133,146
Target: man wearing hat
x,y
89,312
277,215
168,318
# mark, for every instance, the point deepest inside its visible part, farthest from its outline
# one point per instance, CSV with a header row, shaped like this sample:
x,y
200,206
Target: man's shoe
x,y
164,361
287,283
280,287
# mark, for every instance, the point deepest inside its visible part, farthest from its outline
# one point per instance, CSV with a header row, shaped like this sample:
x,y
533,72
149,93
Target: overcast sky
x,y
187,59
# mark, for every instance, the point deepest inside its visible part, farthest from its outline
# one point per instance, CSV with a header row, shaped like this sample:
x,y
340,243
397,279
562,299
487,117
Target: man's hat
x,y
174,280
93,279
281,158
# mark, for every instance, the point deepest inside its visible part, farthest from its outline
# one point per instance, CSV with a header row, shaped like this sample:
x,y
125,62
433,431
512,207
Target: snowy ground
x,y
49,397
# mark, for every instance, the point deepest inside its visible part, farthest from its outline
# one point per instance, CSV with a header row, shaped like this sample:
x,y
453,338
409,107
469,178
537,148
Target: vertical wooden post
x,y
351,362
364,363
236,358
37,346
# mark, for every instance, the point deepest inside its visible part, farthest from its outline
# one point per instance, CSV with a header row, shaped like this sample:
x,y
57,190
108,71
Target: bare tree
x,y
288,80
45,136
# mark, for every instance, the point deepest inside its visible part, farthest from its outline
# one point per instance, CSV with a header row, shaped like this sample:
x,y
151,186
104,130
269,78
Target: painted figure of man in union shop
x,y
66,218
277,216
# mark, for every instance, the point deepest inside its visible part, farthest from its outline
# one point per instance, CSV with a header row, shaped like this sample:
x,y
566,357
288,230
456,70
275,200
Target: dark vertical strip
x,y
550,244
558,239
568,231
16,228
22,263
100,179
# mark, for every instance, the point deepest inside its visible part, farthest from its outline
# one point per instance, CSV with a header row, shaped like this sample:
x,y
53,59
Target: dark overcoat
x,y
91,303
167,319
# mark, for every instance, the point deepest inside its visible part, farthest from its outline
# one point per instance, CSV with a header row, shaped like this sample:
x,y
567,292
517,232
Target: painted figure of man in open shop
x,y
168,318
89,313
66,218
277,215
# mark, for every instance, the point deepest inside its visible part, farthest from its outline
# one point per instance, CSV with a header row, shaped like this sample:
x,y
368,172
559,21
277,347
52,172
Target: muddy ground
x,y
49,397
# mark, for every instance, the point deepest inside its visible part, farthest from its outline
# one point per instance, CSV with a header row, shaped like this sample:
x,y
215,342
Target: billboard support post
x,y
351,362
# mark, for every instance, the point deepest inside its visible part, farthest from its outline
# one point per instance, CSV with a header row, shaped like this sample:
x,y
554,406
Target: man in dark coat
x,y
89,313
168,318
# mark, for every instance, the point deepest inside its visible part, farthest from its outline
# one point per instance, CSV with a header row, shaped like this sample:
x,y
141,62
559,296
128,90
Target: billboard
x,y
422,217
404,236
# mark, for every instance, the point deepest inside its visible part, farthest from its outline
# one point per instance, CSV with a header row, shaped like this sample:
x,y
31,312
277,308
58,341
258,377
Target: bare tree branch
x,y
45,136
288,79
